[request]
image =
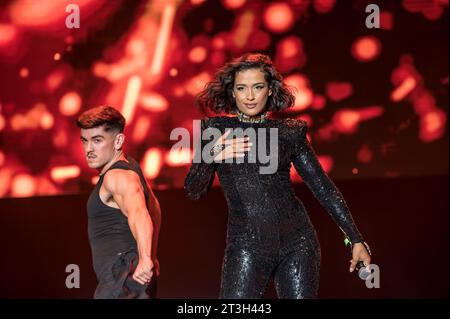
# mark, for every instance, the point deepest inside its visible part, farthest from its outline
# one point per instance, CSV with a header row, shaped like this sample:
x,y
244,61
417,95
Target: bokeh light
x,y
366,48
350,82
278,17
70,104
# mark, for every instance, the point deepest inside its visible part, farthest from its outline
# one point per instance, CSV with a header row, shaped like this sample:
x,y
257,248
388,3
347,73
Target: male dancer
x,y
123,213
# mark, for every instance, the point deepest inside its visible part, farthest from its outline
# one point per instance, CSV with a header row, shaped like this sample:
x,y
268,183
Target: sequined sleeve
x,y
308,166
201,175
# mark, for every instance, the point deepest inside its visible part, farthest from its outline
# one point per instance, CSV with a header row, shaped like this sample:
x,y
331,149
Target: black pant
x,y
246,272
116,280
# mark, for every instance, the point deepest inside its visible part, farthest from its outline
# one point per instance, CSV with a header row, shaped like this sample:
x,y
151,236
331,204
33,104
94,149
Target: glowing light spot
x,y
37,117
290,47
151,163
433,122
131,97
154,102
197,83
413,6
45,187
346,121
218,42
165,28
35,13
324,6
233,4
7,34
366,48
386,20
47,121
57,56
245,29
432,10
338,91
303,94
278,17
70,104
2,122
197,54
303,99
141,129
69,40
319,102
135,47
17,122
62,173
432,125
296,80
54,80
60,139
23,185
355,171
24,72
173,72
178,91
403,89
290,54
370,112
178,157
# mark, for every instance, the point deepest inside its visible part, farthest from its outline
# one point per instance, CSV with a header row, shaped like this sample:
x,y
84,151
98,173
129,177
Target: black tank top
x,y
108,229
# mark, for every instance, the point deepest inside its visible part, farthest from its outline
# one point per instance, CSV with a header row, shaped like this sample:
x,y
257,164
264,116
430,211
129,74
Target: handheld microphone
x,y
362,270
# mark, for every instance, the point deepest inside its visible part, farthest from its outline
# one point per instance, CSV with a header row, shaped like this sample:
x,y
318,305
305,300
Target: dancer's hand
x,y
144,271
359,252
235,147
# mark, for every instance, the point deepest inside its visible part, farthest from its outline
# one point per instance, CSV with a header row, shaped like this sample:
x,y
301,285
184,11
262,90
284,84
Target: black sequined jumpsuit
x,y
269,232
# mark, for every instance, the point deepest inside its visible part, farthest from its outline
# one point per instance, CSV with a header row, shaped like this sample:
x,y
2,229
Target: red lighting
x,y
197,54
278,17
366,48
70,104
337,91
233,4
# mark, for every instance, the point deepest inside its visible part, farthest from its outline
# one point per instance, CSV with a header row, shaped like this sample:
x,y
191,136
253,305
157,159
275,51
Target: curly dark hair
x,y
217,94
